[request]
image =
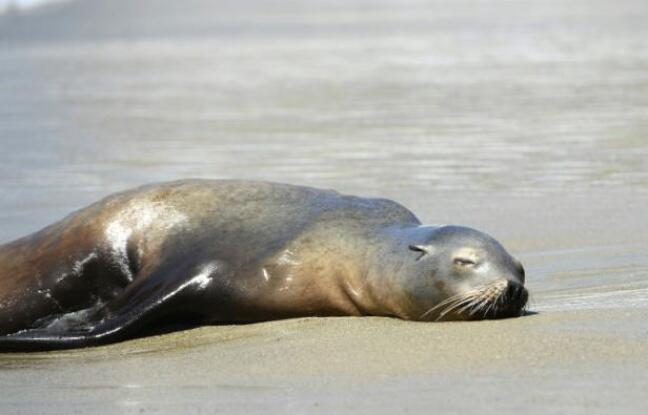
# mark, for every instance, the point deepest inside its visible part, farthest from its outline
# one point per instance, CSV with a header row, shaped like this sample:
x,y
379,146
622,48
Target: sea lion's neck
x,y
376,288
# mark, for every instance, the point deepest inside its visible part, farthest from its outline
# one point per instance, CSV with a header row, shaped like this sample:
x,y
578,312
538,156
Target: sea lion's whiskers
x,y
484,299
500,299
476,297
476,300
451,307
493,304
444,303
454,305
441,304
469,298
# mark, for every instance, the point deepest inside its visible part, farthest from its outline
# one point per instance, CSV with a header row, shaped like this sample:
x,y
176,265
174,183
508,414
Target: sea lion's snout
x,y
503,298
516,295
513,301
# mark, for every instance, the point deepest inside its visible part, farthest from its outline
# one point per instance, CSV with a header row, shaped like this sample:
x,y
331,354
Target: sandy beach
x,y
528,120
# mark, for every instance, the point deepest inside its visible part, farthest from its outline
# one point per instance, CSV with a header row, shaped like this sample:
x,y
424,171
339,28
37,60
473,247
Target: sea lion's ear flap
x,y
422,249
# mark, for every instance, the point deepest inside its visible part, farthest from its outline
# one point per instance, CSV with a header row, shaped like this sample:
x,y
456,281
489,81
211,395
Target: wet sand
x,y
367,365
528,121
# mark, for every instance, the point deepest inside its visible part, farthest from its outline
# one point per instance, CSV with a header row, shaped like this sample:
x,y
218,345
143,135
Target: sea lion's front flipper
x,y
147,299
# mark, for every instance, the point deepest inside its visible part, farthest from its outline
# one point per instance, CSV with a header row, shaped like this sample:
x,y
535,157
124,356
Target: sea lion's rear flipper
x,y
147,299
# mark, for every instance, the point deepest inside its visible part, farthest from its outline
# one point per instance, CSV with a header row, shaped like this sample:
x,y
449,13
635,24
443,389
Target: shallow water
x,y
526,119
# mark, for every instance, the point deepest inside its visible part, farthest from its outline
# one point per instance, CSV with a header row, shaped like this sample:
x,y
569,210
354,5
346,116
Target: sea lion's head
x,y
463,274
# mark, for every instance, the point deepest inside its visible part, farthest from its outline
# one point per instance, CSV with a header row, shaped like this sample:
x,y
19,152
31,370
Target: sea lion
x,y
239,251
